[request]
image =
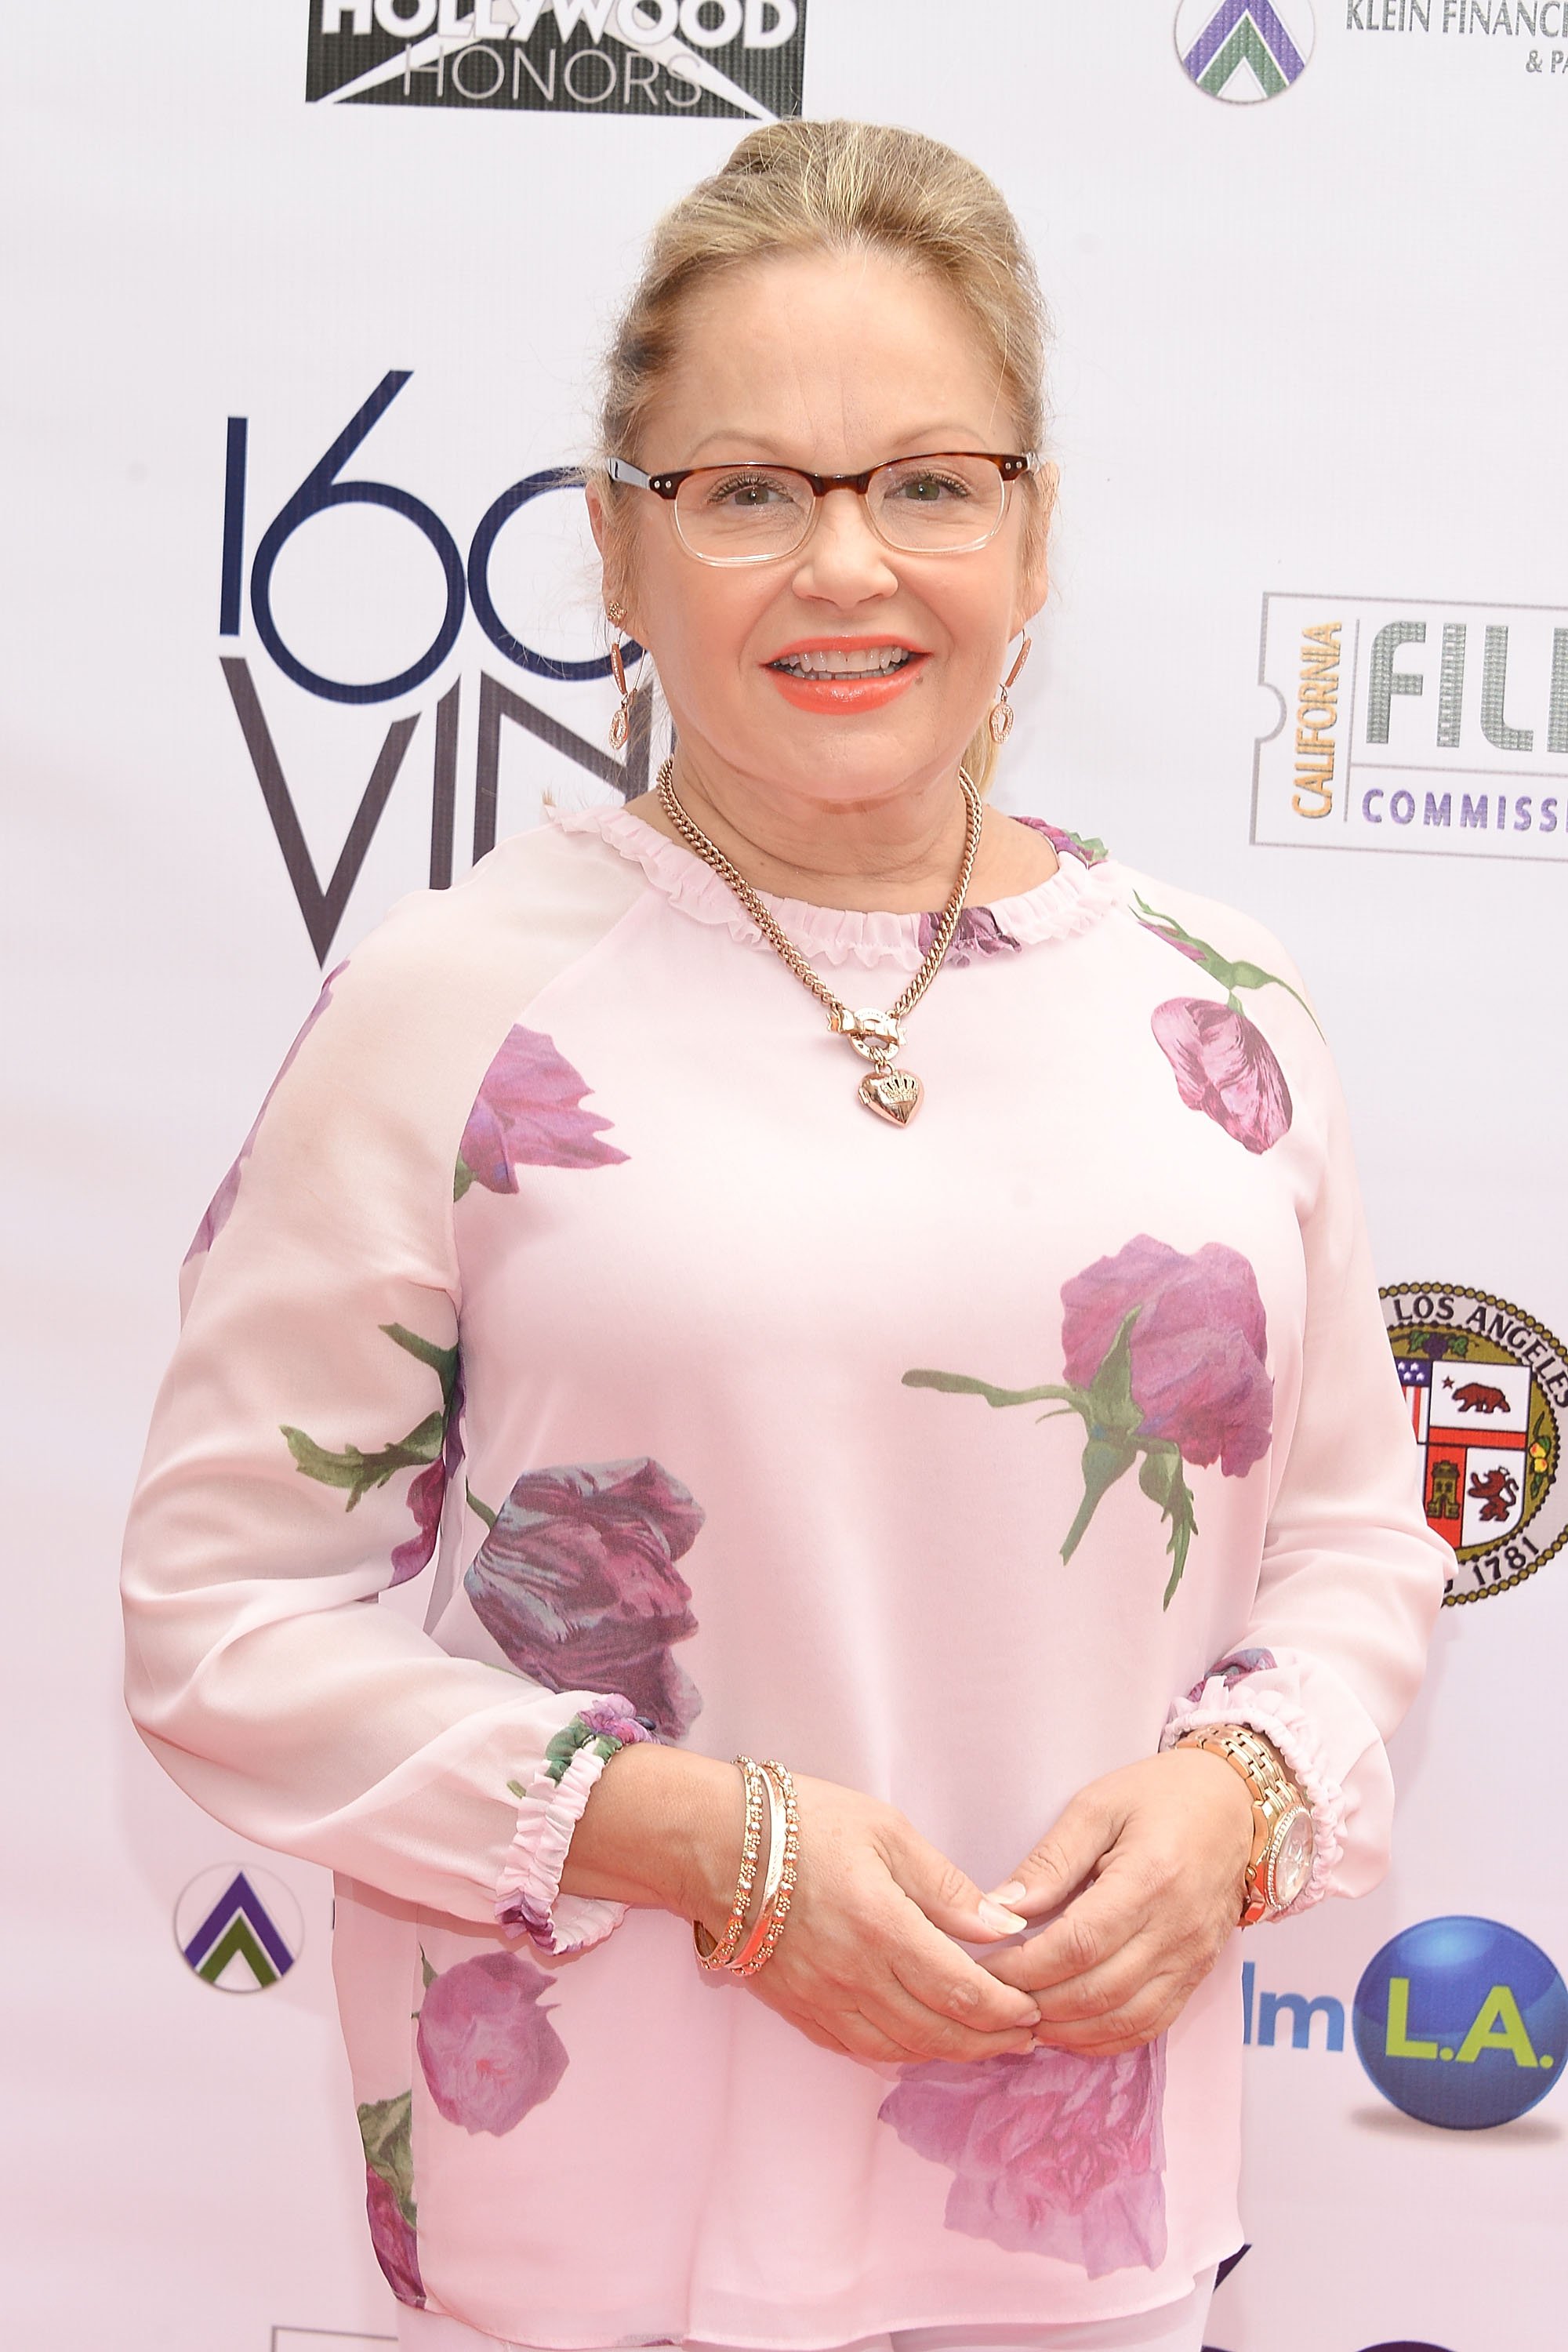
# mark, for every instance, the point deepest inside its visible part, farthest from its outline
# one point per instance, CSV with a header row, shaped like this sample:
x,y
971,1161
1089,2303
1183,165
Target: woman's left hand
x,y
1144,1872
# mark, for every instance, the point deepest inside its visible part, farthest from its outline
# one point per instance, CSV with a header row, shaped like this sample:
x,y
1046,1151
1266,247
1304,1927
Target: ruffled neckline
x,y
1075,896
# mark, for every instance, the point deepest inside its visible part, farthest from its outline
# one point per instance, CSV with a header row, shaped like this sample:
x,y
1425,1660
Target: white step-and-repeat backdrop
x,y
304,306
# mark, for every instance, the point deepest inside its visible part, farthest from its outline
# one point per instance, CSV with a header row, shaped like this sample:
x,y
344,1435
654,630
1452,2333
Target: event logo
x,y
1487,1387
1462,2023
1244,50
1261,2013
569,56
239,1931
1435,727
469,585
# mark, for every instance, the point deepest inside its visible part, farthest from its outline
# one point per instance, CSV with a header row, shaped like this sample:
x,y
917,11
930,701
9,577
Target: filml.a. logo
x,y
1262,2014
1441,729
1486,1386
239,1930
1462,2023
733,58
1244,50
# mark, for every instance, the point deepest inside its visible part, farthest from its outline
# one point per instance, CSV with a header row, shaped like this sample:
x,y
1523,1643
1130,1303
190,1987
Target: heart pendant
x,y
893,1094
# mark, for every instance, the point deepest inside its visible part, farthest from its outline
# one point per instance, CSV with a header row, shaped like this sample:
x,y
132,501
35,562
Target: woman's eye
x,y
750,491
928,490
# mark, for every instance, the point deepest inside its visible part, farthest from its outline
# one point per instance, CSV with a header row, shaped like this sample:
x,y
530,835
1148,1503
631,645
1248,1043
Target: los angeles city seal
x,y
1488,1391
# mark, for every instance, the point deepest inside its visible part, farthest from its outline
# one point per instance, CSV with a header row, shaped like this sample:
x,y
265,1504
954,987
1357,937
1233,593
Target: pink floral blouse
x,y
563,1271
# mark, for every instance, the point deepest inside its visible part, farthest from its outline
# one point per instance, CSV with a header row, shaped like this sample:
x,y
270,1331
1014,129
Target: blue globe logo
x,y
1462,2023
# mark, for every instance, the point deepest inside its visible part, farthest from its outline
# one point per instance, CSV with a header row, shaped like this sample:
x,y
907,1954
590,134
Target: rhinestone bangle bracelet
x,y
735,1950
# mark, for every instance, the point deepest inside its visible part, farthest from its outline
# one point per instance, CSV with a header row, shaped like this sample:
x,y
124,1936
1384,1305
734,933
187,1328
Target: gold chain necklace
x,y
892,1094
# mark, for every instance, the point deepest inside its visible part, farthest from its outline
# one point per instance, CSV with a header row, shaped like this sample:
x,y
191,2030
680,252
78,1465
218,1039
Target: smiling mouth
x,y
860,661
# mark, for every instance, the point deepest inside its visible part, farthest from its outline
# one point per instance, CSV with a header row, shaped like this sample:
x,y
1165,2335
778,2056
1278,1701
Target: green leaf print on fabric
x,y
386,2126
432,1448
1231,977
1165,1360
385,2129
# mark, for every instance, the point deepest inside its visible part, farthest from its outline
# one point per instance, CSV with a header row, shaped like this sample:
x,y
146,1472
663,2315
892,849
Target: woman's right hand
x,y
868,1962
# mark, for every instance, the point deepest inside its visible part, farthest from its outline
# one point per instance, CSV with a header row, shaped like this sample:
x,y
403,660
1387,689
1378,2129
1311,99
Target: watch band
x,y
1282,1820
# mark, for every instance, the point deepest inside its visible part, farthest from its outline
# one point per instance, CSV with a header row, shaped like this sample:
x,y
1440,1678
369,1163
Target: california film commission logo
x,y
1437,729
1488,1387
239,1931
1244,50
573,57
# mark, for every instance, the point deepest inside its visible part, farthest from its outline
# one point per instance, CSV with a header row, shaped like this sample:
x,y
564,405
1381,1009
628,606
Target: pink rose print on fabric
x,y
435,1442
486,2050
1225,1067
1233,1670
1198,1339
577,1583
395,2245
1224,1064
1050,2153
529,1113
427,1492
604,1724
1086,850
385,2126
976,935
1164,1358
221,1205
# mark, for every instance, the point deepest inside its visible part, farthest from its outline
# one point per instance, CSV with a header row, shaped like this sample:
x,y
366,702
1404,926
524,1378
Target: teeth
x,y
863,661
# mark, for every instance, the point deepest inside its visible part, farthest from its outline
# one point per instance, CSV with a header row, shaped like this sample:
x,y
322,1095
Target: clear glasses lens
x,y
740,514
733,514
938,504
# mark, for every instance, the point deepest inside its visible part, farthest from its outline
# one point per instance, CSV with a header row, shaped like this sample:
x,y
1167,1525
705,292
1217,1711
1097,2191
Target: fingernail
x,y
1014,1891
1000,1921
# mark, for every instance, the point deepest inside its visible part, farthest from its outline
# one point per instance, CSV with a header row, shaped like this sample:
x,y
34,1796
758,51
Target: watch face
x,y
1291,1864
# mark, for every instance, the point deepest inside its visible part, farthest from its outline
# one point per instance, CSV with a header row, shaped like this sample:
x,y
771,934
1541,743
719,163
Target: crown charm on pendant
x,y
893,1094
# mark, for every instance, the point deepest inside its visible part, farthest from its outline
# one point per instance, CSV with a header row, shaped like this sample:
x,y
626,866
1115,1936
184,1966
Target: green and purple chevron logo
x,y
1244,50
239,1931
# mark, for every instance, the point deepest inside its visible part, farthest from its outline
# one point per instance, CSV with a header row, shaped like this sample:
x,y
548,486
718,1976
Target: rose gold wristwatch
x,y
1283,1846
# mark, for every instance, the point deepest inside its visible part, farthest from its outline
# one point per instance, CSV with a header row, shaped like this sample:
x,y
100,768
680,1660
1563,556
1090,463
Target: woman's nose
x,y
844,559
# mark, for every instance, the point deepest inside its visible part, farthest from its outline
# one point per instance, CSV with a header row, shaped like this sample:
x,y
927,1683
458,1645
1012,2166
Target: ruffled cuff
x,y
529,1901
1237,1691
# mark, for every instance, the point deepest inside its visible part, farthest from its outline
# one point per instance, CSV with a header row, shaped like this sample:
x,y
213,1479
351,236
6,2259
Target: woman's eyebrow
x,y
915,441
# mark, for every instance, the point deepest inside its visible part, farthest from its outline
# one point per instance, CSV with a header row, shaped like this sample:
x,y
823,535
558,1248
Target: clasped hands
x,y
1108,1924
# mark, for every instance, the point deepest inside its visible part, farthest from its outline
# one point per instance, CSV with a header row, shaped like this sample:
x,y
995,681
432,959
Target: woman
x,y
575,1251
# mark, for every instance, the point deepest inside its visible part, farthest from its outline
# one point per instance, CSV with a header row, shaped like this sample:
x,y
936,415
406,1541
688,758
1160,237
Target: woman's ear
x,y
610,554
598,522
1034,579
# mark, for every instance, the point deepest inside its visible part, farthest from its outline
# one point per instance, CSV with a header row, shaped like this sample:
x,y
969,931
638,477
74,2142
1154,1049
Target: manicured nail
x,y
1000,1921
1014,1891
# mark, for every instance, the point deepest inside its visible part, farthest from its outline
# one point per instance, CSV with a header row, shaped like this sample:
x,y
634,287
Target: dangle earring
x,y
1002,712
621,724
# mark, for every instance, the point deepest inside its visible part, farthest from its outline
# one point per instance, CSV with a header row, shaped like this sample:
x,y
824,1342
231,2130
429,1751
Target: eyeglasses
x,y
949,503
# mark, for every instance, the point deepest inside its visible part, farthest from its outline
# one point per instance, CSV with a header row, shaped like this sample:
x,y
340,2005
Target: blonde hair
x,y
839,187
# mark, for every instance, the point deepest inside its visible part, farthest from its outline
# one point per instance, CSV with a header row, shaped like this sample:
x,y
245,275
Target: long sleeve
x,y
1351,1577
305,1444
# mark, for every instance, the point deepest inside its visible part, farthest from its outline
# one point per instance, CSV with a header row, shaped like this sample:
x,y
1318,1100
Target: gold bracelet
x,y
719,1955
742,1961
776,1915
